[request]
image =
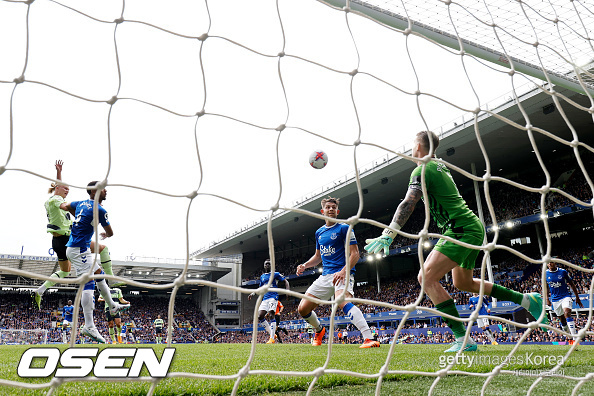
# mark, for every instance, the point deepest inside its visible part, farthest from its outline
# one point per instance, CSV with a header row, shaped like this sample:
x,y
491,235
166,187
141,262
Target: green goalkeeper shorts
x,y
473,234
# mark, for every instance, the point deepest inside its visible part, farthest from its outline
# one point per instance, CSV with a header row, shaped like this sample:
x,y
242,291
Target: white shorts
x,y
66,323
82,259
268,305
323,288
482,322
559,306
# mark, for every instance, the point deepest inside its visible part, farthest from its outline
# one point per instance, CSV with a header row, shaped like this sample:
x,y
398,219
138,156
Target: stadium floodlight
x,y
543,216
509,224
379,256
426,244
370,257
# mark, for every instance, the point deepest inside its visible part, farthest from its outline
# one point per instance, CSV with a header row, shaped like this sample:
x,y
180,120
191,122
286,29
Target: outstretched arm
x,y
59,164
403,212
66,206
406,207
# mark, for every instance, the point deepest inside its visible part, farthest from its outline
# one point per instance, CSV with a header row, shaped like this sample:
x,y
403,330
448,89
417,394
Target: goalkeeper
x,y
458,222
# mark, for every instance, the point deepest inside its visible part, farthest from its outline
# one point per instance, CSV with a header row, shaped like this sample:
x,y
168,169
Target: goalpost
x,y
522,40
23,336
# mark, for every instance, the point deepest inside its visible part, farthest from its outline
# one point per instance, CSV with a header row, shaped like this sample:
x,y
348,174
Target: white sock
x,y
104,291
272,329
266,325
571,325
489,335
356,317
566,328
88,304
312,319
41,289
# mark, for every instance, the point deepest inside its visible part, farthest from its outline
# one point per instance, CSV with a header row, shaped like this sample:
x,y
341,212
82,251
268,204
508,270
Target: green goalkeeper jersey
x,y
159,323
446,205
58,220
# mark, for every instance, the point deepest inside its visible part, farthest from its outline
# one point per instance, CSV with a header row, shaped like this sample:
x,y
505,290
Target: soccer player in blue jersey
x,y
79,253
122,336
270,300
559,281
330,251
483,323
67,312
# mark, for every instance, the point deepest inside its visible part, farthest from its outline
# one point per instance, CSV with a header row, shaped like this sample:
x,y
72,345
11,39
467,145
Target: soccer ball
x,y
318,159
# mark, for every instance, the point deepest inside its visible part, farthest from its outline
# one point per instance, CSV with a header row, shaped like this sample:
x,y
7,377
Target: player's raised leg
x,y
532,302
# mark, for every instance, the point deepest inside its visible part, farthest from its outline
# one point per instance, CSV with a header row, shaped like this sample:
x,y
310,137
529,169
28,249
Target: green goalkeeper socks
x,y
448,307
106,261
505,294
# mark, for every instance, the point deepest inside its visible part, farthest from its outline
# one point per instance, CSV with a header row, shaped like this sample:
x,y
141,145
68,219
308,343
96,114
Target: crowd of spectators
x,y
189,323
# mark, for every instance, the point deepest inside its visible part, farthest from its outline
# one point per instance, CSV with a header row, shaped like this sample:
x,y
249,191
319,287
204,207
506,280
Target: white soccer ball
x,y
318,159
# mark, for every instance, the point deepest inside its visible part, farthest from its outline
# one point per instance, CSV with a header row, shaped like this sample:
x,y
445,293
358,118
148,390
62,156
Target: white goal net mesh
x,y
194,78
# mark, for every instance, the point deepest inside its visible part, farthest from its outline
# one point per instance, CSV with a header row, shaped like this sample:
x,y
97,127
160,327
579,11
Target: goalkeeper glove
x,y
375,245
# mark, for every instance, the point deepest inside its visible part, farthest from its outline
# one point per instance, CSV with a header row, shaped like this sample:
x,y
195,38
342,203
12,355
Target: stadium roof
x,y
508,148
16,268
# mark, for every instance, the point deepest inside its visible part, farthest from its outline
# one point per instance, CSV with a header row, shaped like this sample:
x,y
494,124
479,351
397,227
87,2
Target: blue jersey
x,y
474,301
264,278
67,312
82,227
330,243
557,281
124,328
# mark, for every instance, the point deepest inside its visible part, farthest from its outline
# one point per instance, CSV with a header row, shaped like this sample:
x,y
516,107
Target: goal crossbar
x,y
444,38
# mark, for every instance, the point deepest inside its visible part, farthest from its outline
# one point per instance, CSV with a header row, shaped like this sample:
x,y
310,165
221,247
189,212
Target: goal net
x,y
212,103
23,336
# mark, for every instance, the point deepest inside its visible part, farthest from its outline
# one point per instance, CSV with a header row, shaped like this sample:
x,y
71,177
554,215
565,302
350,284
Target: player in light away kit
x,y
67,312
330,251
270,299
559,281
159,323
483,323
114,323
79,253
59,223
458,222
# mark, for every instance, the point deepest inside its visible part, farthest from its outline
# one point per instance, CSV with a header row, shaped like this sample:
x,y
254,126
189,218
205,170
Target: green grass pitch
x,y
228,359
